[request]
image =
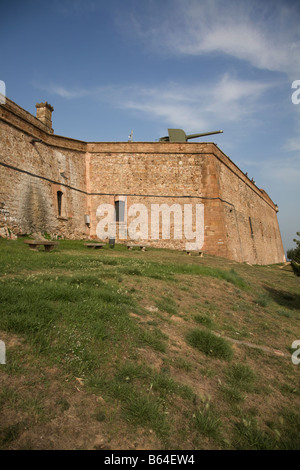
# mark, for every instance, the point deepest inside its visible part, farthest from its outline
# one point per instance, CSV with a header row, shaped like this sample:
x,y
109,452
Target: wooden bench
x,y
195,252
33,244
141,247
94,245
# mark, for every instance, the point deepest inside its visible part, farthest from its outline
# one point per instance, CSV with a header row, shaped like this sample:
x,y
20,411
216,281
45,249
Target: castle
x,y
54,184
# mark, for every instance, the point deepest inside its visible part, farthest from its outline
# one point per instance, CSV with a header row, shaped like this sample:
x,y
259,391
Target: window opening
x,y
59,202
251,228
120,211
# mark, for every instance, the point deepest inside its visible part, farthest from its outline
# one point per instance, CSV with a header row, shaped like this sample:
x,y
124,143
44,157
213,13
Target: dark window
x,y
251,228
59,201
120,211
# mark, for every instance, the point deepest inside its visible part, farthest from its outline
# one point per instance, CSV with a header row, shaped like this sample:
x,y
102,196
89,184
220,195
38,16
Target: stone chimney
x,y
44,114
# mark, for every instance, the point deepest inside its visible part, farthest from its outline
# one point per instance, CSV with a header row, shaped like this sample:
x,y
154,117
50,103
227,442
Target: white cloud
x,y
284,171
194,107
198,106
265,34
293,145
233,98
63,91
69,94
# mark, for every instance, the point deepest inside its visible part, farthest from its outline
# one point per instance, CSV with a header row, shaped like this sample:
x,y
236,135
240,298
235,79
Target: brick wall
x,y
33,172
251,223
240,220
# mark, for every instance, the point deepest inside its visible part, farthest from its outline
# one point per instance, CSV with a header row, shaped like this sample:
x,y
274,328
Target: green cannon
x,y
178,135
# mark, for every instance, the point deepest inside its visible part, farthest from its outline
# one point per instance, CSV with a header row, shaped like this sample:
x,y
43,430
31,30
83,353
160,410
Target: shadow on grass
x,y
284,298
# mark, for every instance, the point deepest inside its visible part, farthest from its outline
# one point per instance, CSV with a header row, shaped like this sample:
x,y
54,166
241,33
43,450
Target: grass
x,y
207,422
240,376
203,320
263,299
145,350
167,304
210,344
239,379
249,436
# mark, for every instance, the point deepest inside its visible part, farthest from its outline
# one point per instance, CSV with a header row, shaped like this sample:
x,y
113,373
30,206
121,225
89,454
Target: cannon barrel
x,y
194,136
178,135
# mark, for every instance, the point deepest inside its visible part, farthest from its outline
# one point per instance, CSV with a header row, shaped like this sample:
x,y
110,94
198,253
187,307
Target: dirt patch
x,y
148,356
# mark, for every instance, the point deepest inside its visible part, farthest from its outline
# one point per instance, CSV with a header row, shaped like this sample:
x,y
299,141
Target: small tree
x,y
294,255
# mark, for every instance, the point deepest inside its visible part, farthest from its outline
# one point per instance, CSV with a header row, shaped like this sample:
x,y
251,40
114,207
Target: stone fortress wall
x,y
50,184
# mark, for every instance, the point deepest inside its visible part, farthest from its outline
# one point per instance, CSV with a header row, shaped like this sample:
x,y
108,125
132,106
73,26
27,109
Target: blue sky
x,y
110,68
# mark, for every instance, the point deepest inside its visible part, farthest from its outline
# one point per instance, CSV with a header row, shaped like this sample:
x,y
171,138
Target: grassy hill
x,y
117,349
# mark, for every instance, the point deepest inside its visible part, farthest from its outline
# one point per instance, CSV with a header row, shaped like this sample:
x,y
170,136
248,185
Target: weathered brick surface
x,y
31,175
251,226
240,220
